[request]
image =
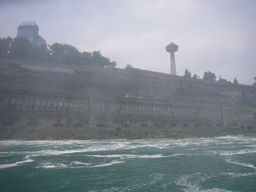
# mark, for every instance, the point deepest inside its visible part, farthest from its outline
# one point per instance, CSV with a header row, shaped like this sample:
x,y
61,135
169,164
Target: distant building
x,y
30,30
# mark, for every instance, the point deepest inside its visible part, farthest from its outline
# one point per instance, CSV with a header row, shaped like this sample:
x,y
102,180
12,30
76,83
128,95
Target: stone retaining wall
x,y
73,95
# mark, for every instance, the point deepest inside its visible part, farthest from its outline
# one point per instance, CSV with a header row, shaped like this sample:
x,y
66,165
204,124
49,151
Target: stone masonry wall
x,y
46,93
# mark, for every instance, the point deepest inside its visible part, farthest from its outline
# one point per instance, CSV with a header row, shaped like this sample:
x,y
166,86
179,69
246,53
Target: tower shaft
x,y
173,67
171,48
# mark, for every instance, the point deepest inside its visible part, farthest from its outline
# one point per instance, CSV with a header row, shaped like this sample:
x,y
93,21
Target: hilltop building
x,y
30,30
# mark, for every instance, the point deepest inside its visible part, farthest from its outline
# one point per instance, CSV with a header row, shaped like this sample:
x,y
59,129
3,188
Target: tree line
x,y
208,76
22,48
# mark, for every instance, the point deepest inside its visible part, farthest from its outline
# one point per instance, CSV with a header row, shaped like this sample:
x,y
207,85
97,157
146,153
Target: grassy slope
x,y
114,132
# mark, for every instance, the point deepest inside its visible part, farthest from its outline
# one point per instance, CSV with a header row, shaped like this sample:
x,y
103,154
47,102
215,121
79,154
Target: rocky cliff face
x,y
51,94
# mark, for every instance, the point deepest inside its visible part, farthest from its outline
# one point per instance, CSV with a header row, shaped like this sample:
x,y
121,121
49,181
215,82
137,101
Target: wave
x,y
248,165
65,152
238,175
132,156
191,183
51,166
75,164
108,164
85,149
135,187
80,163
184,182
230,137
241,152
215,190
16,164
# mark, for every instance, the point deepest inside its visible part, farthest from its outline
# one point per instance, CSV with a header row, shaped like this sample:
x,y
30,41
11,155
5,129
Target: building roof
x,y
32,23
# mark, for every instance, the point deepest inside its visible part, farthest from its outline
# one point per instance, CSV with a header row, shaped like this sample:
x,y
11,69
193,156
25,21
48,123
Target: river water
x,y
205,164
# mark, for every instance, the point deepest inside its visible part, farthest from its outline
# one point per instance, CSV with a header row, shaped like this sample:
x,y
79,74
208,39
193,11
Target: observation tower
x,y
171,48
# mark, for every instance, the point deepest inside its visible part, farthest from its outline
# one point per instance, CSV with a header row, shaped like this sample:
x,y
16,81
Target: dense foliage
x,y
208,76
20,48
187,74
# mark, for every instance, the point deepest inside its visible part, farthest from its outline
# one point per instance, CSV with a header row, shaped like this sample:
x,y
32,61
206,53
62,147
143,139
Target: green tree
x,y
187,74
64,53
41,53
209,76
101,61
235,81
128,66
112,64
86,58
223,80
195,76
21,48
5,46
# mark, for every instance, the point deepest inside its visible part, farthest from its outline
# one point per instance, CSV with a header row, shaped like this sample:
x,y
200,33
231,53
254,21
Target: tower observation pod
x,y
171,48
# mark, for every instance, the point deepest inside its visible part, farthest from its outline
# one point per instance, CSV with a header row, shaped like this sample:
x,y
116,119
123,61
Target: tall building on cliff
x,y
30,30
171,48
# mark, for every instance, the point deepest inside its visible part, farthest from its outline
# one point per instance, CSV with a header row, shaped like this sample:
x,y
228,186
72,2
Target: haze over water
x,y
216,164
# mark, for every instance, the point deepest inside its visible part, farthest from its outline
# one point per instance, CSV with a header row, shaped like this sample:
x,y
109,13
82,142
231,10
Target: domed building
x,y
30,30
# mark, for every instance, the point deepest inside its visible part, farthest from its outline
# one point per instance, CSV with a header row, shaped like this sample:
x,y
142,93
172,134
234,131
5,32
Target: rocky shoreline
x,y
28,133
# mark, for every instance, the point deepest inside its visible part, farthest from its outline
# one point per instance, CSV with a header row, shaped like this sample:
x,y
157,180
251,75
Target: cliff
x,y
52,94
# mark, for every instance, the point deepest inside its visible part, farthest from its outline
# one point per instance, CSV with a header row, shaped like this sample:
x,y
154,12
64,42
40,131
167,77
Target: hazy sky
x,y
212,35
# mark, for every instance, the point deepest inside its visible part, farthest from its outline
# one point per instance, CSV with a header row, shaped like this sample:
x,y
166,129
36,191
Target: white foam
x,y
51,166
241,152
108,164
195,185
230,137
74,164
156,178
48,166
215,190
237,175
94,148
66,152
184,182
127,188
80,163
132,156
15,164
240,164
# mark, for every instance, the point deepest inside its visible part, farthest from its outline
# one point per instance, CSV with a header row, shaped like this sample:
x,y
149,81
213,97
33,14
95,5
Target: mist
x,y
216,36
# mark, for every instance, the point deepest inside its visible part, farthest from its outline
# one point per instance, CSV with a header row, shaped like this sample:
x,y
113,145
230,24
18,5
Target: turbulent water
x,y
218,164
